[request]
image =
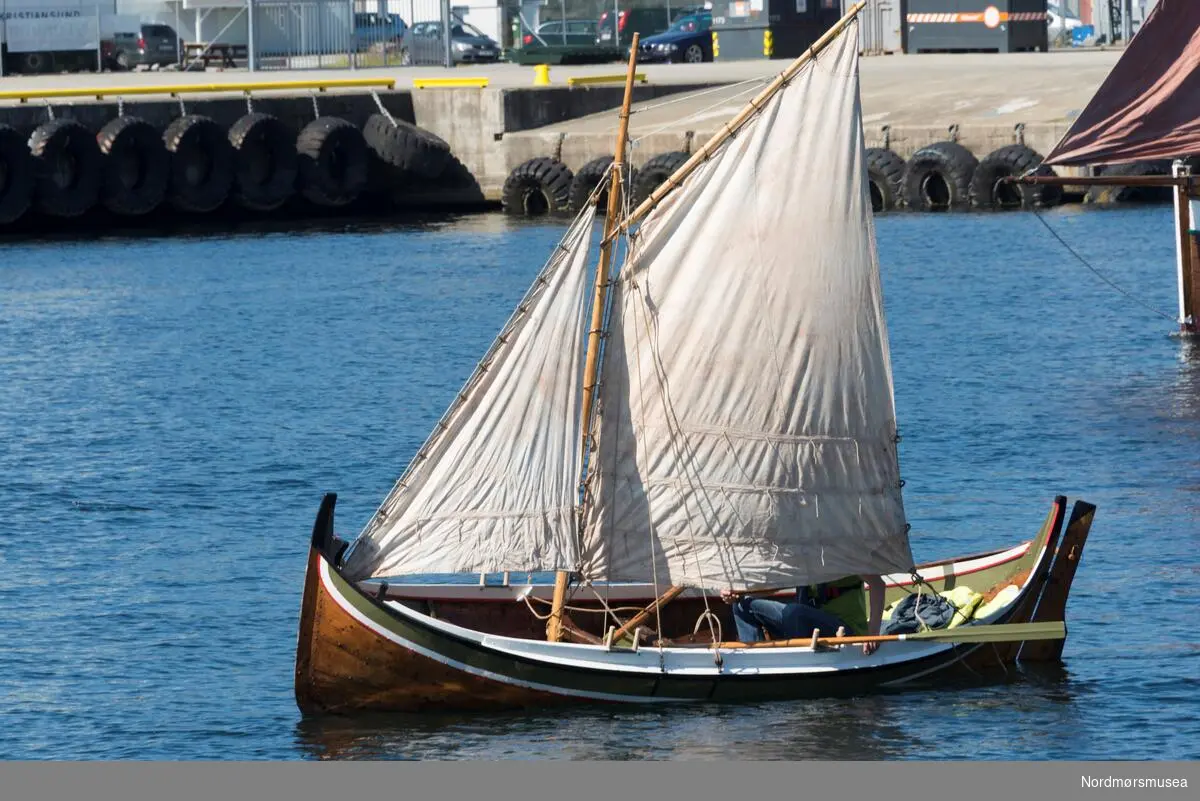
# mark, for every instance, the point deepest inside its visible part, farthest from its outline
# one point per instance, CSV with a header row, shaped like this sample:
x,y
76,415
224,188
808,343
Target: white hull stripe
x,y
350,609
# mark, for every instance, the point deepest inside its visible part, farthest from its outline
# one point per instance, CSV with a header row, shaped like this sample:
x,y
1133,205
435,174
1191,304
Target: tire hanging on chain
x,y
333,162
67,168
938,177
265,163
201,164
885,179
406,147
536,187
136,166
990,188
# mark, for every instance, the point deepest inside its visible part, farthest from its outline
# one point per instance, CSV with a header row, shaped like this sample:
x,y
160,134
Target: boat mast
x,y
599,303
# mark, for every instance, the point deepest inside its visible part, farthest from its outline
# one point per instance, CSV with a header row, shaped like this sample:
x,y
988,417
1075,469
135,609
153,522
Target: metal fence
x,y
328,34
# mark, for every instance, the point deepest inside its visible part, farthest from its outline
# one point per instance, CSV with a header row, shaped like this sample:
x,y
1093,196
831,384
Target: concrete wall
x,y
492,130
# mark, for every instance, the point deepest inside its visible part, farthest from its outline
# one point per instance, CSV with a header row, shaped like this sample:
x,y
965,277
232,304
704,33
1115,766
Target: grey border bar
x,y
637,781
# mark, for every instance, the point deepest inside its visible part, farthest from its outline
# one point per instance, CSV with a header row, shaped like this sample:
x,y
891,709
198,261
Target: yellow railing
x,y
588,80
449,83
173,90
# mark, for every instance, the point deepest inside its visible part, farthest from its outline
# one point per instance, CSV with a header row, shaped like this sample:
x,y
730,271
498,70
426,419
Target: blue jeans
x,y
783,621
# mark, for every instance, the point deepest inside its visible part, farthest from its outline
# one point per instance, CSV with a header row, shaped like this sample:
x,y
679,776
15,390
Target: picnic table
x,y
223,53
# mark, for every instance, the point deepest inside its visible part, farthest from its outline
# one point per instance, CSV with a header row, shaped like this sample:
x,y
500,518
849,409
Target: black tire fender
x,y
654,172
885,178
136,166
938,177
406,147
538,186
265,164
67,168
333,161
989,190
16,175
589,177
201,164
1132,194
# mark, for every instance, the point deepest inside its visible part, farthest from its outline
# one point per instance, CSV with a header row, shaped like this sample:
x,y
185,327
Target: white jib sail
x,y
747,432
497,488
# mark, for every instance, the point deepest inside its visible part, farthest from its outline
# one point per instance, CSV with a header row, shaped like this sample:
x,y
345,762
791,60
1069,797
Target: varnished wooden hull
x,y
360,652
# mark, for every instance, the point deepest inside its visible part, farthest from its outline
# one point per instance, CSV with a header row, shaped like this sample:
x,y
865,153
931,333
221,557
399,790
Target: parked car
x,y
422,44
689,39
373,30
563,32
153,44
646,21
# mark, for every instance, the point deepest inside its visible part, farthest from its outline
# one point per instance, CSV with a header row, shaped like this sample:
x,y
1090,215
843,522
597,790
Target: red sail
x,y
1149,106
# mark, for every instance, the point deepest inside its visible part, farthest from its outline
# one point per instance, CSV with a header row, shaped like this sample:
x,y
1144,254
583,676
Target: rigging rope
x,y
640,444
1100,275
695,114
707,615
693,95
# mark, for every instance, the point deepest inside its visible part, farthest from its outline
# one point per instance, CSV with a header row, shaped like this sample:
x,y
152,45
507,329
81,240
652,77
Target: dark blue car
x,y
689,39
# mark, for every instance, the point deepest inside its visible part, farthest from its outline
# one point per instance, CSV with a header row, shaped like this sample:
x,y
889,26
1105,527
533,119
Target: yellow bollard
x,y
541,74
716,46
768,43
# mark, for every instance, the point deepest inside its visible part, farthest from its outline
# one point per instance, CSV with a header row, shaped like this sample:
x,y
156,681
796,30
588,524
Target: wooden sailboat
x,y
716,413
1147,110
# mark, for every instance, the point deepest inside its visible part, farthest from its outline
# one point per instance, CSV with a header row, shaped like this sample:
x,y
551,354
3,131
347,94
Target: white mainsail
x,y
747,433
496,489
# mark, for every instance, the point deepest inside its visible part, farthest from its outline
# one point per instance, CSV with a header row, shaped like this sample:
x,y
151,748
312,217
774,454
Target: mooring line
x,y
1099,274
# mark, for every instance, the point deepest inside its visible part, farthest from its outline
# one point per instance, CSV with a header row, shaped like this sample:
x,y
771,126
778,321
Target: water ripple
x,y
172,410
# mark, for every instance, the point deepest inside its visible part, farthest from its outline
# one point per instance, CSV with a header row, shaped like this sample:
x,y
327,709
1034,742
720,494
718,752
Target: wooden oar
x,y
995,632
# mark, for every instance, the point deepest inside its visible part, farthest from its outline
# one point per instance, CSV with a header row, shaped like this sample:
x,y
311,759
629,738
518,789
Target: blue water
x,y
171,410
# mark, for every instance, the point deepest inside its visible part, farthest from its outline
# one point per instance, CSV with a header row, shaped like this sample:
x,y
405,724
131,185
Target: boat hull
x,y
382,651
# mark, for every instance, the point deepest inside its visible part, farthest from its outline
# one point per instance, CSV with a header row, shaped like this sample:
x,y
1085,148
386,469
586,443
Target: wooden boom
x,y
1105,180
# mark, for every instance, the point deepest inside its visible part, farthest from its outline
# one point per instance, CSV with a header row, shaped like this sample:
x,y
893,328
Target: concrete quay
x,y
908,101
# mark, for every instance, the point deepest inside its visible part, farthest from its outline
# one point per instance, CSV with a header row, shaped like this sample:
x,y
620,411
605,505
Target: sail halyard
x,y
747,420
494,485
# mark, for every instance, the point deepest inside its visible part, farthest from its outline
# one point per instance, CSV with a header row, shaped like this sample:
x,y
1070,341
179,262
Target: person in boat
x,y
824,607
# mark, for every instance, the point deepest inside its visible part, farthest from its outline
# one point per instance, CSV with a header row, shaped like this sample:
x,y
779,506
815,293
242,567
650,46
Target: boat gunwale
x,y
505,593
524,650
